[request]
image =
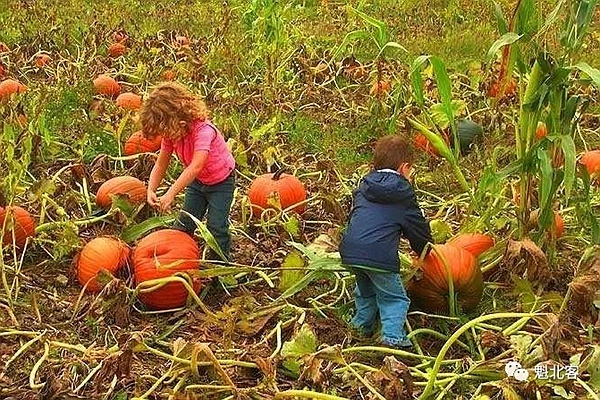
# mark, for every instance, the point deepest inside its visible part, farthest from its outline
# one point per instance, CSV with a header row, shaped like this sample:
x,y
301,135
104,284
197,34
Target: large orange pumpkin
x,y
591,161
18,220
277,188
474,243
162,254
11,86
138,143
130,101
123,185
103,253
431,292
106,85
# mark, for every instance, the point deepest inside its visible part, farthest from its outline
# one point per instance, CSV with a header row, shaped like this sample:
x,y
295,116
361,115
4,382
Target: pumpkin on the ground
x,y
117,49
16,219
430,293
101,254
270,190
474,243
559,224
138,143
591,161
106,85
11,86
162,254
130,101
128,186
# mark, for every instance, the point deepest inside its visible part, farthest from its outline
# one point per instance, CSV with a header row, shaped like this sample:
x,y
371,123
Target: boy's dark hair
x,y
391,151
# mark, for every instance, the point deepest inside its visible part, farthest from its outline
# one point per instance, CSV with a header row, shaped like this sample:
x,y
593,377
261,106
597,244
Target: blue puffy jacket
x,y
384,209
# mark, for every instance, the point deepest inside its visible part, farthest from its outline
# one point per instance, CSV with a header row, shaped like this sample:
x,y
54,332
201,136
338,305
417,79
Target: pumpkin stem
x,y
278,174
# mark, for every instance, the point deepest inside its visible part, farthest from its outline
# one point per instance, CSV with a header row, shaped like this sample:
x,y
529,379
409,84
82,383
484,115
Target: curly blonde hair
x,y
170,110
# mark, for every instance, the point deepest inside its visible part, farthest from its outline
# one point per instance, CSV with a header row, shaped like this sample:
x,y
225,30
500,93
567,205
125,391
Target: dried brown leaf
x,y
525,258
585,290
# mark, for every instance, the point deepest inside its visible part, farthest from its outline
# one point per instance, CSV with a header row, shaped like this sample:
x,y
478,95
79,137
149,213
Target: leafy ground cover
x,y
308,86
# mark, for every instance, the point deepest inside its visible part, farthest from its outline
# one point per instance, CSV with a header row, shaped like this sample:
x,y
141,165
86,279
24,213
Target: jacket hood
x,y
385,187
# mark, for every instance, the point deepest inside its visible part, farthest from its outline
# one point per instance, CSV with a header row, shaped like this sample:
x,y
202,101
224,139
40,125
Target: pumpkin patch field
x,y
101,297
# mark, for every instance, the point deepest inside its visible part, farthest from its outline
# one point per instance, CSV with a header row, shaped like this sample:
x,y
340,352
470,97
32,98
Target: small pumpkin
x,y
168,75
106,85
42,60
467,132
102,253
117,49
541,131
474,243
138,143
18,220
270,189
129,101
123,185
11,86
431,291
162,254
591,161
380,87
558,223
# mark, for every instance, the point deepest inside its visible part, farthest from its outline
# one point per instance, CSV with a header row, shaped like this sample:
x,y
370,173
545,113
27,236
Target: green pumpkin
x,y
467,130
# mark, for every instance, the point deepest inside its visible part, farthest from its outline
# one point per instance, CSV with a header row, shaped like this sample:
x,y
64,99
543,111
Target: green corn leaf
x,y
382,33
546,177
417,80
206,235
500,20
505,40
436,141
349,38
569,150
593,73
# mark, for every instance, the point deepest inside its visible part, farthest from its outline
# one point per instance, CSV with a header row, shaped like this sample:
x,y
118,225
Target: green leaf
x,y
444,88
206,235
546,177
569,150
382,33
304,343
292,270
417,80
561,391
500,20
267,129
438,113
440,230
593,73
349,38
292,226
505,40
136,231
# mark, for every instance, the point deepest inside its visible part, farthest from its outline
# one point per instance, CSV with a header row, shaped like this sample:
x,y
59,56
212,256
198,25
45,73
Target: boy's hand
x,y
152,198
166,201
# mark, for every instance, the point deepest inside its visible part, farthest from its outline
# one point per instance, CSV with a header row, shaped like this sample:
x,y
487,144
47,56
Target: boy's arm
x,y
415,227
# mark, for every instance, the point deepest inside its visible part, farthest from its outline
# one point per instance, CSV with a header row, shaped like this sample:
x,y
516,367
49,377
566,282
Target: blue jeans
x,y
214,200
383,292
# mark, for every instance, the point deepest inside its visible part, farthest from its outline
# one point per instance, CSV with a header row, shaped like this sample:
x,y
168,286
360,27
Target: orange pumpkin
x,y
103,253
130,101
123,185
559,224
106,85
380,87
169,75
138,143
474,243
42,60
117,49
591,161
162,254
20,221
541,131
278,188
431,292
11,86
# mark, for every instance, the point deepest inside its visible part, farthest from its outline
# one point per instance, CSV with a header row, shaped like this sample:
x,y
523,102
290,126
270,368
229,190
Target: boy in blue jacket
x,y
384,209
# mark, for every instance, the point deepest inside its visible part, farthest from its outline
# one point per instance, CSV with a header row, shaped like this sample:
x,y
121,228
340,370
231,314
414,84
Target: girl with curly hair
x,y
208,178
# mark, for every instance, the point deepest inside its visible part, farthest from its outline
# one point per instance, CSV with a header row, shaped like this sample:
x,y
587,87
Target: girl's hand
x,y
166,201
152,198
